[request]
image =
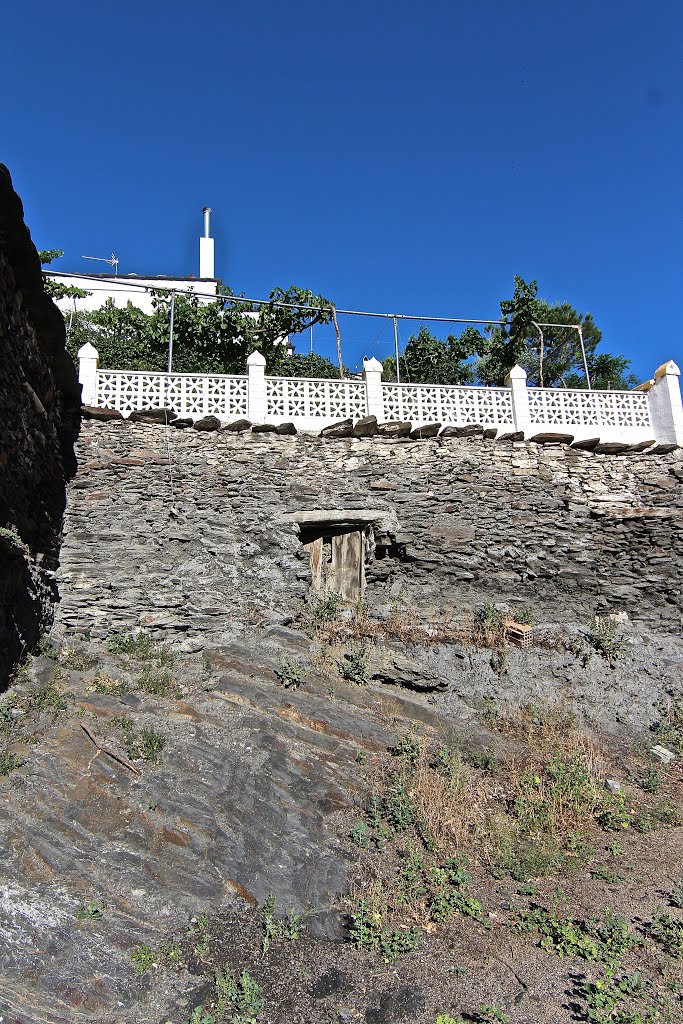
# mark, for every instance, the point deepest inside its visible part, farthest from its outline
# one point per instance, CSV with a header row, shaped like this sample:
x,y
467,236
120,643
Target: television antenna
x,y
113,261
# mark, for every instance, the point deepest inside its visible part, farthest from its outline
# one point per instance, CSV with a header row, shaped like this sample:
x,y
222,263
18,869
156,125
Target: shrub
x,y
606,638
239,996
354,666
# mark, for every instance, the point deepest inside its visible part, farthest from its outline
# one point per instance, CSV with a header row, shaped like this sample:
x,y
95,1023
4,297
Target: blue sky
x,y
392,156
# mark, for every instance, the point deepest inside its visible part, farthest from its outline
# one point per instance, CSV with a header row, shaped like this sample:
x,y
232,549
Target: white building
x,y
125,288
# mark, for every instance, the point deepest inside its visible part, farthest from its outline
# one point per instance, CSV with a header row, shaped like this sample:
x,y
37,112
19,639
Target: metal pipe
x,y
540,352
585,361
207,221
398,368
282,305
170,335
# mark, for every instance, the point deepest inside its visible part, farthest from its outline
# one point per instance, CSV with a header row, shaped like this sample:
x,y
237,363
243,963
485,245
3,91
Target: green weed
x,y
239,996
199,931
290,674
606,638
156,681
354,666
92,911
610,999
669,728
368,935
143,958
605,940
668,932
275,929
9,762
147,745
326,609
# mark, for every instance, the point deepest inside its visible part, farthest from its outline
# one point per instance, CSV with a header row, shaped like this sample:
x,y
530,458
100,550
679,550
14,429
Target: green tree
x,y
487,357
55,289
428,360
208,337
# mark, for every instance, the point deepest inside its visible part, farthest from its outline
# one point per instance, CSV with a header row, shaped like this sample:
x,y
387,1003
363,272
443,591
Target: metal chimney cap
x,y
207,209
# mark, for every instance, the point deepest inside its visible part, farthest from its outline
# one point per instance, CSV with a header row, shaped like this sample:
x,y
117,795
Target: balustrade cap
x,y
372,364
256,359
88,351
667,369
516,373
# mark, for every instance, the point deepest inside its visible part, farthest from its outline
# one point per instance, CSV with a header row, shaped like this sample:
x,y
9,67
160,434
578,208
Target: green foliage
x,y
669,728
354,666
275,929
488,625
92,911
668,932
9,762
147,745
103,683
156,681
143,958
605,940
676,897
141,647
488,1012
306,365
208,336
239,996
609,999
201,1016
606,638
290,674
46,698
431,361
367,934
360,835
489,356
55,289
652,780
326,609
199,931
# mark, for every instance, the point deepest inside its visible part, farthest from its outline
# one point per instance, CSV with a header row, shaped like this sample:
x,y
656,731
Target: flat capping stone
x,y
342,520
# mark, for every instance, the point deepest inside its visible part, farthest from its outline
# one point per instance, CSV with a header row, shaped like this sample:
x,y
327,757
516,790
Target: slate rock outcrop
x,y
40,400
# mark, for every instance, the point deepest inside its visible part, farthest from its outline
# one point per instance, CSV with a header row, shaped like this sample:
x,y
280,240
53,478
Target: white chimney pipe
x,y
206,254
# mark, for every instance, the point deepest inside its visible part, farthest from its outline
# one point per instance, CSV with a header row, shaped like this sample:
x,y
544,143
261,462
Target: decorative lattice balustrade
x,y
572,408
189,394
432,403
309,398
654,413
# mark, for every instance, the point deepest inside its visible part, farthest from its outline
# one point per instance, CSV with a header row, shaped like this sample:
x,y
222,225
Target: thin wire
x,y
269,302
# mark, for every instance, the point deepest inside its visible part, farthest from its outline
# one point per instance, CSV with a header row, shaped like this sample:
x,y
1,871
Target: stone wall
x,y
39,398
193,534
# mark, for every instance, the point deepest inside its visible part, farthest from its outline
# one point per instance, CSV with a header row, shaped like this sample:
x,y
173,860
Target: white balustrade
x,y
452,404
189,394
307,398
652,412
567,407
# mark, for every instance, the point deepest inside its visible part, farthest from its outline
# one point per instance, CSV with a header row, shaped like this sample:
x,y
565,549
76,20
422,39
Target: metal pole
x,y
541,353
585,362
398,368
170,335
311,340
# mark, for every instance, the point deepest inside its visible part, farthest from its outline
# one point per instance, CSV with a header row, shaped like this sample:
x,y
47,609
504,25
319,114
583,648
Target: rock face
x,y
39,398
195,547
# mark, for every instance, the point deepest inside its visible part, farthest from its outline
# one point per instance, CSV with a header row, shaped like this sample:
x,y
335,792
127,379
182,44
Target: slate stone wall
x,y
39,401
191,535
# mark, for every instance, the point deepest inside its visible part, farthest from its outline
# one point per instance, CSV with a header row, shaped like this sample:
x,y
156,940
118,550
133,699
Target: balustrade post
x,y
516,381
88,358
372,375
666,407
256,388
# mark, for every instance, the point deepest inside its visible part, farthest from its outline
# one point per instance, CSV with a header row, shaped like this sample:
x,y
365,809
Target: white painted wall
x,y
128,289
